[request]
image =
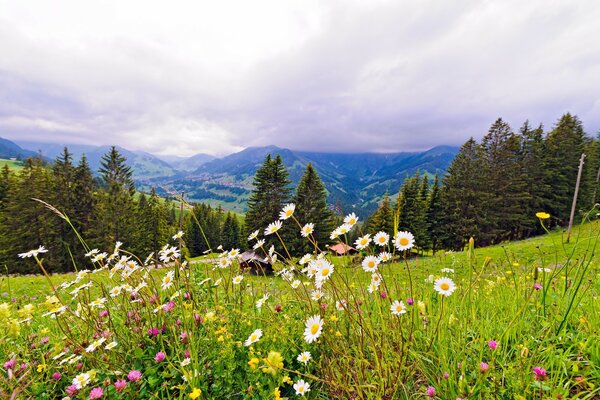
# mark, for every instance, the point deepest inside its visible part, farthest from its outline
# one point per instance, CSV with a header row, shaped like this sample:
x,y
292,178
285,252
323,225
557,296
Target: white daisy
x,y
307,229
167,280
444,286
316,295
33,253
273,227
381,238
304,357
301,387
384,256
295,284
287,211
398,308
254,337
363,241
259,243
324,270
237,280
370,263
253,235
314,327
351,219
404,240
81,380
178,235
305,258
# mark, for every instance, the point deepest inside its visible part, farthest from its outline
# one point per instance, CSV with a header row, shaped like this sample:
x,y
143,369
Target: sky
x,y
187,77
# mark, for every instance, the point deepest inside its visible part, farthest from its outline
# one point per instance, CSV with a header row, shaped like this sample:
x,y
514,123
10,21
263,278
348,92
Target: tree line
x,y
103,209
493,189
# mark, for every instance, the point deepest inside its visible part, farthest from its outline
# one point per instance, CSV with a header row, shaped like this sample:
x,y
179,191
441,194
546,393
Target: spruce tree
x,y
230,232
564,146
461,196
410,210
311,207
271,192
434,216
116,204
382,219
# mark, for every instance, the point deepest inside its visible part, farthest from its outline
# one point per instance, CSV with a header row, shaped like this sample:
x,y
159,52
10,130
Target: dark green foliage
x,y
434,217
271,192
203,230
382,219
461,196
311,207
231,233
411,208
563,148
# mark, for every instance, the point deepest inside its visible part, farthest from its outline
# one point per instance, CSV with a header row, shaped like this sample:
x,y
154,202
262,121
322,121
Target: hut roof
x,y
342,248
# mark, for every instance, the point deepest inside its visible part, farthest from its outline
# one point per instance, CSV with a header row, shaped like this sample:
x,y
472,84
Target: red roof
x,y
341,248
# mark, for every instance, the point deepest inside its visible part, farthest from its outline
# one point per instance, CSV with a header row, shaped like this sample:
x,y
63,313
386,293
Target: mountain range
x,y
355,182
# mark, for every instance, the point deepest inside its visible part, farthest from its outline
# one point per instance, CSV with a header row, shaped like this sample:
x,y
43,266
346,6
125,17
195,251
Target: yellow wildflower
x,y
333,318
287,379
542,215
195,393
277,394
14,327
51,302
4,310
274,362
26,311
338,333
253,363
220,339
41,367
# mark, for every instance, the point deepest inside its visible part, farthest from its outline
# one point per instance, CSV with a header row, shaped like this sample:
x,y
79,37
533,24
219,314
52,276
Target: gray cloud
x,y
340,76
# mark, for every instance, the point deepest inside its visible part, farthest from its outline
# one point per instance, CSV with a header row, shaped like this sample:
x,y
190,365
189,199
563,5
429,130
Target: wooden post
x,y
575,196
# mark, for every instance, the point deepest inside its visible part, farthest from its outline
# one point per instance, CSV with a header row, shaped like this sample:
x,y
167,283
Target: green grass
x,y
363,351
13,165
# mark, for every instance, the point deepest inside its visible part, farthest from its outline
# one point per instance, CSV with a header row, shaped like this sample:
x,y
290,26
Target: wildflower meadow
x,y
514,321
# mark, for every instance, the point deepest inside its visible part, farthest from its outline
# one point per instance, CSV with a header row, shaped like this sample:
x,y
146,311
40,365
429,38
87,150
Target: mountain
x,y
187,163
10,149
144,165
357,182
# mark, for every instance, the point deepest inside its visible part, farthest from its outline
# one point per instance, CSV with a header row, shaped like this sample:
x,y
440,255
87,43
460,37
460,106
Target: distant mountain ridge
x,y
10,150
355,181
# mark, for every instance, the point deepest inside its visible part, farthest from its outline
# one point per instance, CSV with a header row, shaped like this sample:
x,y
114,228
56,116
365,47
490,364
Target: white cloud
x,y
305,74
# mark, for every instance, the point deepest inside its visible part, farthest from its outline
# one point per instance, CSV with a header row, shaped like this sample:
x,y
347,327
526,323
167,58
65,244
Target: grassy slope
x,y
13,165
505,257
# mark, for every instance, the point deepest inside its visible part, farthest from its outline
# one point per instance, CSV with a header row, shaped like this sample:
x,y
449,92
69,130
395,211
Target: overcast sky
x,y
184,77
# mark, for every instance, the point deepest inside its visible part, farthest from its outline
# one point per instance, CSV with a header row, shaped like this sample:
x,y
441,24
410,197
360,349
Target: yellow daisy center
x,y
288,213
445,286
371,264
398,308
382,239
403,241
325,272
252,337
314,329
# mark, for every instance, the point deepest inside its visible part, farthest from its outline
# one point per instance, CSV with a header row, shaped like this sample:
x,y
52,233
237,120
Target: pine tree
x,y
382,219
154,222
409,208
230,232
84,187
116,204
203,231
271,192
461,196
505,196
564,146
434,217
311,207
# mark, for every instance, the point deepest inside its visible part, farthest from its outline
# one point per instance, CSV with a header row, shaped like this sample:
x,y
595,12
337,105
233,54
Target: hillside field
x,y
522,323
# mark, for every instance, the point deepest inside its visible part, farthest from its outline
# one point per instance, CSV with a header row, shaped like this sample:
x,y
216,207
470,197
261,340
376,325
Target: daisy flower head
x,y
33,253
254,337
335,234
259,243
295,284
344,228
444,286
384,256
381,238
253,235
287,211
178,235
81,380
351,219
167,280
305,258
316,295
314,328
398,308
237,280
363,241
304,357
273,227
370,263
301,387
224,262
324,270
372,288
307,229
404,240
376,279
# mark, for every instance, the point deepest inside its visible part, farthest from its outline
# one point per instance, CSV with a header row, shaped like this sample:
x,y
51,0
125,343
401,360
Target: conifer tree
x,y
532,164
230,232
311,207
461,196
382,219
271,192
434,216
409,207
564,146
116,204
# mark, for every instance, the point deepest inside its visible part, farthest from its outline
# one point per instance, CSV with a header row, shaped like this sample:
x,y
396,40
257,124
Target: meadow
x,y
513,321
